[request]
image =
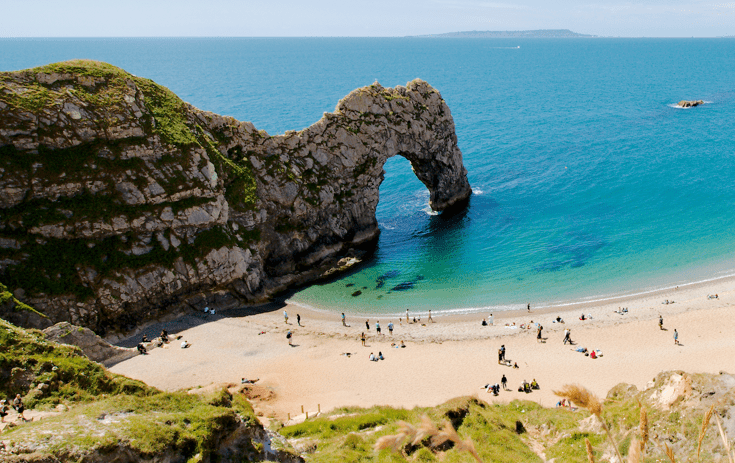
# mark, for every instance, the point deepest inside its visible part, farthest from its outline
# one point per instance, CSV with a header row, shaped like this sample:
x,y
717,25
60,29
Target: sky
x,y
361,18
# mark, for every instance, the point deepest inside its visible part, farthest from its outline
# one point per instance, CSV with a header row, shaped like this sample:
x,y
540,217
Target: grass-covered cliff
x,y
107,417
120,202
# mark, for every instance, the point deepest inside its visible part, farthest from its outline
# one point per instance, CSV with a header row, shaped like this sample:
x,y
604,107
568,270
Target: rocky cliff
x,y
120,202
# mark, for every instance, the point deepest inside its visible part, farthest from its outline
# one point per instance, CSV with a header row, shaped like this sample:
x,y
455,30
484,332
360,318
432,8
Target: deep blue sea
x,y
588,183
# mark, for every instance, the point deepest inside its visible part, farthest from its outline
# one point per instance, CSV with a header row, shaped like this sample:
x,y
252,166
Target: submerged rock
x,y
403,286
356,293
389,274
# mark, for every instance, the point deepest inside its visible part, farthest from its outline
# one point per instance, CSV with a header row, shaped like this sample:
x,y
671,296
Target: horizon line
x,y
423,36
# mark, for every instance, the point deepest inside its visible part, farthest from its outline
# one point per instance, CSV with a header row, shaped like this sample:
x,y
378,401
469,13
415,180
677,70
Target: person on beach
x,y
3,410
538,333
430,319
164,336
377,326
529,307
491,319
141,348
660,322
407,321
402,344
502,352
298,319
362,338
285,316
676,337
19,407
367,325
344,321
185,345
380,356
289,336
567,338
504,382
372,357
484,323
390,328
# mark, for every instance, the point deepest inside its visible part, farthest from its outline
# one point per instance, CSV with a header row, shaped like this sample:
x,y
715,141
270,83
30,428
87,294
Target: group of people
x,y
528,387
17,405
377,326
163,339
375,358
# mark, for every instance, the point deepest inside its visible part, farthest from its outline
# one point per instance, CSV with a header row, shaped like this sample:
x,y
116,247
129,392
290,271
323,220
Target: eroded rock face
x,y
93,347
120,202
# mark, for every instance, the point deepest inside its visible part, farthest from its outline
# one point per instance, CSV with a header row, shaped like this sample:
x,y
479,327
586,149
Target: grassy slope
x,y
106,409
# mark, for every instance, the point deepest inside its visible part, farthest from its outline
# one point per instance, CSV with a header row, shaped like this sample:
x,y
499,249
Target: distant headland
x,y
537,34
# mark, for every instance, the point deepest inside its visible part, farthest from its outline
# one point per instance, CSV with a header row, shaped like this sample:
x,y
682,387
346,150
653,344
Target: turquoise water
x,y
587,182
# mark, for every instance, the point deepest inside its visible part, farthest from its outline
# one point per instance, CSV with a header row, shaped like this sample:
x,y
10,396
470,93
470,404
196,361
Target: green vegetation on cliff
x,y
109,411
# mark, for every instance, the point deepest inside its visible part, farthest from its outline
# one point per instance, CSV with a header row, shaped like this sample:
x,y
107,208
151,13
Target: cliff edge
x,y
119,202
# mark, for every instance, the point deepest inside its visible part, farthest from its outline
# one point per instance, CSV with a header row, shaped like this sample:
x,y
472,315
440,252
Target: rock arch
x,y
119,209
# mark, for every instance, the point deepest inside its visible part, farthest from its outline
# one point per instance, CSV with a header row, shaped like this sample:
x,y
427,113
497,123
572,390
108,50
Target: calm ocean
x,y
588,182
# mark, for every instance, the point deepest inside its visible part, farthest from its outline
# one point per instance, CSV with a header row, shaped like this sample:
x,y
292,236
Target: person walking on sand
x,y
362,338
407,321
19,407
538,333
377,326
502,352
566,337
298,319
289,336
285,316
529,307
367,325
504,382
344,321
660,322
676,337
390,328
430,319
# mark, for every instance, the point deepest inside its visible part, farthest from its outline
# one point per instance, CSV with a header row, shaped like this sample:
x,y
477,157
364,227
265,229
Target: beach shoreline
x,y
454,356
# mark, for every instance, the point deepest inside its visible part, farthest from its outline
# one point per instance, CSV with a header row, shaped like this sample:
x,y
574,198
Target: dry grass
x,y
585,399
590,453
703,431
730,453
427,430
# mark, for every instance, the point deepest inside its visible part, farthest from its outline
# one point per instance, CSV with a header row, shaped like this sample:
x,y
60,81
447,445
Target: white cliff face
x,y
120,202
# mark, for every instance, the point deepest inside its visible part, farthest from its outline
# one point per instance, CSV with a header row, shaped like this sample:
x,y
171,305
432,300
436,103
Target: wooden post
x,y
302,409
307,415
319,407
289,417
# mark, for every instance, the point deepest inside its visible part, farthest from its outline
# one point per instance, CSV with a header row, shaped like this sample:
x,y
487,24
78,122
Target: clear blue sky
x,y
376,18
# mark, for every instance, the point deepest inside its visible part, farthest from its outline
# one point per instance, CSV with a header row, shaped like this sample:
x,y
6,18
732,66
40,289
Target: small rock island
x,y
689,103
119,202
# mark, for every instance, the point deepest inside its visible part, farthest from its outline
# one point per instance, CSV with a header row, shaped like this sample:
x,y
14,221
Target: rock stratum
x,y
119,202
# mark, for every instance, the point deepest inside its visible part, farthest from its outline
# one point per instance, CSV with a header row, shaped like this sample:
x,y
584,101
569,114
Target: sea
x,y
588,182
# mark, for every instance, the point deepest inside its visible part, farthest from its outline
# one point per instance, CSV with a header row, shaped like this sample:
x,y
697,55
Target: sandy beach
x,y
451,357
